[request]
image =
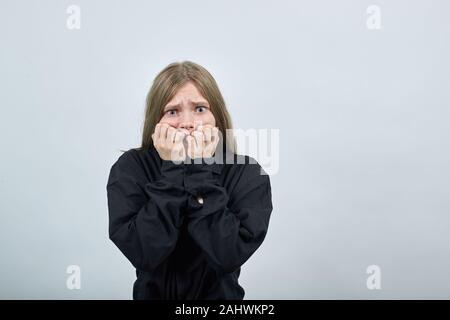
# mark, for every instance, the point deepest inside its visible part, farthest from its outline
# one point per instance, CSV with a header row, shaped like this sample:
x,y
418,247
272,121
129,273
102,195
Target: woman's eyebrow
x,y
192,102
171,106
199,102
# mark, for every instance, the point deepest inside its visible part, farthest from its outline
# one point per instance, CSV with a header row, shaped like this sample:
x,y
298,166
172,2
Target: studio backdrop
x,y
351,97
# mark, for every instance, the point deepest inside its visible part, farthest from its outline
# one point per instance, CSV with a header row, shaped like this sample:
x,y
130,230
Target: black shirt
x,y
182,247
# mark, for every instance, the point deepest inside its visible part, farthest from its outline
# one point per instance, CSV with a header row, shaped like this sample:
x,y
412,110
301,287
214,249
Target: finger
x,y
215,137
179,136
185,131
190,146
198,135
207,131
215,134
171,132
157,131
208,126
215,142
163,134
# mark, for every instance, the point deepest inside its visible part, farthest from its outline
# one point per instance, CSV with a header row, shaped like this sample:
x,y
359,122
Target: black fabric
x,y
181,248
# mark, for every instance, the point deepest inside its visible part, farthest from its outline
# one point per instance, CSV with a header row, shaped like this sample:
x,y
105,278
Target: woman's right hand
x,y
168,141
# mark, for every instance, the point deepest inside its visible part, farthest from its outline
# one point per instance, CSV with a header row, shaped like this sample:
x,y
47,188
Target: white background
x,y
363,116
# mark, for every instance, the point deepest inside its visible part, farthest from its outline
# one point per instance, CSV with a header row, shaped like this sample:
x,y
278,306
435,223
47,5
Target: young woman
x,y
184,208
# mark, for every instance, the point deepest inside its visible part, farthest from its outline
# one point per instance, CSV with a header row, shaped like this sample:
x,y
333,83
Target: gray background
x,y
364,137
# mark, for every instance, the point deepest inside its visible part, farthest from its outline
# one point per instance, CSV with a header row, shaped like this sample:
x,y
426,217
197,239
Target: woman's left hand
x,y
202,142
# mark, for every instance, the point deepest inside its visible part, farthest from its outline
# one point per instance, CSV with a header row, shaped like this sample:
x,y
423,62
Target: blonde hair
x,y
168,82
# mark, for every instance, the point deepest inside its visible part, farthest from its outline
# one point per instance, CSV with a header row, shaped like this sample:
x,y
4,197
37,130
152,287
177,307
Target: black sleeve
x,y
144,218
228,230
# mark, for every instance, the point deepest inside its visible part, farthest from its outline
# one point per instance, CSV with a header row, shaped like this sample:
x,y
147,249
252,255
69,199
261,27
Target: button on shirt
x,y
187,228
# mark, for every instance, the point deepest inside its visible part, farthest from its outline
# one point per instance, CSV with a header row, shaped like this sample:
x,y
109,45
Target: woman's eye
x,y
201,108
171,112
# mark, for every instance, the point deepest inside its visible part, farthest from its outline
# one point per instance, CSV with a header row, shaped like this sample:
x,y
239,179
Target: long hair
x,y
168,82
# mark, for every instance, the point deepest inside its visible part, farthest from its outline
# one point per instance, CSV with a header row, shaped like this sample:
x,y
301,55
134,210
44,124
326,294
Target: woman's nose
x,y
187,126
187,122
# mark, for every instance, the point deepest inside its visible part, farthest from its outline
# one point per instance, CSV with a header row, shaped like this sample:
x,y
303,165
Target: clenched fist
x,y
168,141
202,142
176,144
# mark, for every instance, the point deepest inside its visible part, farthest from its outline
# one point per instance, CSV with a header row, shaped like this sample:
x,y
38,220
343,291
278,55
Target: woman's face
x,y
187,110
